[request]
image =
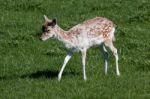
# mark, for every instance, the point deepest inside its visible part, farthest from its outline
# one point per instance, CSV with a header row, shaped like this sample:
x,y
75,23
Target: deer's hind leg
x,y
109,44
105,57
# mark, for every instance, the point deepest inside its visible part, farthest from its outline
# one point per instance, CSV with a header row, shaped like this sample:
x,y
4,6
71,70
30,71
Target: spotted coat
x,y
86,34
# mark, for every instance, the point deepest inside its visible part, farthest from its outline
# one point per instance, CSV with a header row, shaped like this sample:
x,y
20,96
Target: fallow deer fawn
x,y
96,31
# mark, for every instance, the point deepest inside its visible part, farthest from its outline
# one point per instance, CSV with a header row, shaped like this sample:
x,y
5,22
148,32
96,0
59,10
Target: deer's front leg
x,y
67,58
83,52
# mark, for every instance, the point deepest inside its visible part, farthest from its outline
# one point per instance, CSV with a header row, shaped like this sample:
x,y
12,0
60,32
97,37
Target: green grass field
x,y
29,67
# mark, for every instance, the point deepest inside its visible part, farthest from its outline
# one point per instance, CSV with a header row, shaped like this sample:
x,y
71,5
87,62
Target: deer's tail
x,y
113,34
114,39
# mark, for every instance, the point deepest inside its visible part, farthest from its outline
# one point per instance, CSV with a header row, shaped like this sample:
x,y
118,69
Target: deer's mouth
x,y
43,38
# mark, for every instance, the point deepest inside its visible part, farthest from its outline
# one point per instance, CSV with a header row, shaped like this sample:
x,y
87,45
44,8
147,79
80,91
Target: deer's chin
x,y
43,39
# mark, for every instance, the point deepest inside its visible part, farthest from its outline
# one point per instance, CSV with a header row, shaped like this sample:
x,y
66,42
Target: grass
x,y
29,67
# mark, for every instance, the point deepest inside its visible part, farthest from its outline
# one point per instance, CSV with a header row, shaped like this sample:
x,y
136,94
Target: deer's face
x,y
48,29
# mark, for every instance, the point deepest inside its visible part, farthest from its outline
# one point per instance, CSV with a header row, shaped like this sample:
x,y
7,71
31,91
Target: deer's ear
x,y
54,21
46,18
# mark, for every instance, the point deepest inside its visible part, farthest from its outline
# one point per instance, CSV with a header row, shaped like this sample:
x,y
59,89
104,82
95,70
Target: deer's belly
x,y
82,43
78,45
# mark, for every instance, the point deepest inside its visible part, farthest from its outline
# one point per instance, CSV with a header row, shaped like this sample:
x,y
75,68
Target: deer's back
x,y
93,28
91,32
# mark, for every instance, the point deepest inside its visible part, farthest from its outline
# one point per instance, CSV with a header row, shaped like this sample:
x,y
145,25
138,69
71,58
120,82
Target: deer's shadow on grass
x,y
39,74
50,74
47,74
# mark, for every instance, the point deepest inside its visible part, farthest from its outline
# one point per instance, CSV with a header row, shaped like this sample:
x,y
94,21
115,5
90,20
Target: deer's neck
x,y
62,35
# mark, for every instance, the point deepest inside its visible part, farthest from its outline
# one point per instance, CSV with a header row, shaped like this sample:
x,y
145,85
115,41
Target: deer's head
x,y
48,28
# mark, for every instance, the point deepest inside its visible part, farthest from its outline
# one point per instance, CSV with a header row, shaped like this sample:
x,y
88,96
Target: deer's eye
x,y
48,30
